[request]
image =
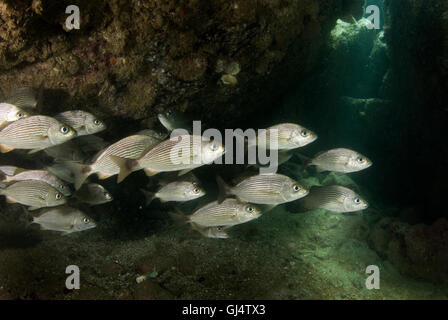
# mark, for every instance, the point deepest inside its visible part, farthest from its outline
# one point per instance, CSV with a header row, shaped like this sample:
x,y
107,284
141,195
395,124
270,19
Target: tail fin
x,y
127,166
223,189
150,196
80,172
306,160
179,218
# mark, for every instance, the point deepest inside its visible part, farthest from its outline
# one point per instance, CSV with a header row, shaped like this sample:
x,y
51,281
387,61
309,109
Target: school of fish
x,y
68,137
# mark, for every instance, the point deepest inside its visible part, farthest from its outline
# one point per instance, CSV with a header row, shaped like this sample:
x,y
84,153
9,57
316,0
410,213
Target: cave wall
x,y
129,60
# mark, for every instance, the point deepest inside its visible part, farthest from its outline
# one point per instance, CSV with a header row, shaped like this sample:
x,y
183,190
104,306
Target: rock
x,y
165,51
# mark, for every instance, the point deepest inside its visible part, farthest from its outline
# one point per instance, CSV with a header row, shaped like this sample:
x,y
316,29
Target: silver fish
x,y
10,170
63,171
83,122
10,113
132,147
64,219
229,213
270,189
335,199
68,151
179,191
35,132
283,157
211,232
93,194
91,143
289,136
180,153
40,175
152,133
36,194
172,119
340,160
26,97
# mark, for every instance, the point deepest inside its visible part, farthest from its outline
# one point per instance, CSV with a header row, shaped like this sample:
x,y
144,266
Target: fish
x,y
63,171
68,151
289,136
64,219
10,113
339,160
132,147
35,132
35,194
229,213
268,188
91,143
83,122
211,232
172,119
155,134
40,175
93,194
283,156
10,170
178,191
181,153
334,198
26,97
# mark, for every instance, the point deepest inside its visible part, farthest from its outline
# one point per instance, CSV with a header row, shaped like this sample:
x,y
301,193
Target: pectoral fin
x,y
5,149
10,200
150,172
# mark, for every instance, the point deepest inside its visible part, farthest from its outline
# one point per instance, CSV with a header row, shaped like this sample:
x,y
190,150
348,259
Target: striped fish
x,y
211,232
36,194
288,135
10,113
40,175
340,160
229,213
10,170
272,189
180,153
93,194
26,97
132,147
335,199
64,219
36,132
179,191
83,122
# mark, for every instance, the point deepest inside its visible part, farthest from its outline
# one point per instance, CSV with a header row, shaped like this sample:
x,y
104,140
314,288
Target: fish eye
x,y
214,146
58,196
250,209
361,159
86,220
64,130
61,187
304,133
196,190
19,115
296,187
357,201
97,122
107,195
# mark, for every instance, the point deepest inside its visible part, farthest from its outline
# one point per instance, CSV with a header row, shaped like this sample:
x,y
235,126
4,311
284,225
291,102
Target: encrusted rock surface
x,y
130,59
